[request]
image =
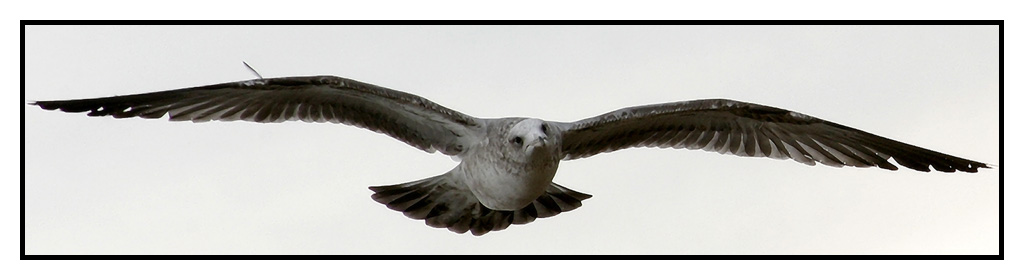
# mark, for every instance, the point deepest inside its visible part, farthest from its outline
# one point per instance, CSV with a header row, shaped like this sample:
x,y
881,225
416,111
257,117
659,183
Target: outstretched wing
x,y
407,117
746,129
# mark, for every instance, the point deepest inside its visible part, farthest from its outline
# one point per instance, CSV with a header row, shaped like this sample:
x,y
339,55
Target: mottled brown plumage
x,y
507,164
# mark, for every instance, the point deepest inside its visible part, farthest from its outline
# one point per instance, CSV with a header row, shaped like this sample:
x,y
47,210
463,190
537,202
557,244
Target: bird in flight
x,y
507,164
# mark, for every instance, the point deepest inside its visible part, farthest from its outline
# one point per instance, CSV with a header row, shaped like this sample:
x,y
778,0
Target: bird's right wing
x,y
406,117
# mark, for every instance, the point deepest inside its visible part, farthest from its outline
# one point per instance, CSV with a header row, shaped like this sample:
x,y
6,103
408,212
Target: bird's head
x,y
533,137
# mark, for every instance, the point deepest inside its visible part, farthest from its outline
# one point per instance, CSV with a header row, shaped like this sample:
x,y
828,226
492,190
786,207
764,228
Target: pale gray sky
x,y
134,186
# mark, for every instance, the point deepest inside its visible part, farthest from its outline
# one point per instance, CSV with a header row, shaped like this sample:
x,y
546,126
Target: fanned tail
x,y
444,204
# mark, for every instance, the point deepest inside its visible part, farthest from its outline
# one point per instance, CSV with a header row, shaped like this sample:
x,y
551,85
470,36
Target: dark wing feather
x,y
409,118
745,129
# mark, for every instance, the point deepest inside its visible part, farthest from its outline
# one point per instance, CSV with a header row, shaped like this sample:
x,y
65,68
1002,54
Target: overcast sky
x,y
138,186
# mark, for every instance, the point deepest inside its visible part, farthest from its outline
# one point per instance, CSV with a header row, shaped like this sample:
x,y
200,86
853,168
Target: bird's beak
x,y
539,141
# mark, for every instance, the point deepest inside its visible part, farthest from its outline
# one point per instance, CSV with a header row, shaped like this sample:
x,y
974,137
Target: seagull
x,y
506,165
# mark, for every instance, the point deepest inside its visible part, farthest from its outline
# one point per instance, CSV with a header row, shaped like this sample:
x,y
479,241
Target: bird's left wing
x,y
746,129
406,117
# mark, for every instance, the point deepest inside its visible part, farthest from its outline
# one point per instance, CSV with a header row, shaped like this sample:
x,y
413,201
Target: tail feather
x,y
444,204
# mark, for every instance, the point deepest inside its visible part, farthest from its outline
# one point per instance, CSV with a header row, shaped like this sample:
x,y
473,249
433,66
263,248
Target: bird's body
x,y
507,164
507,175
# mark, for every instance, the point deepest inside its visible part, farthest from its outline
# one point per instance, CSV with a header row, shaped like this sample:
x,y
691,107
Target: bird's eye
x,y
516,140
544,128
